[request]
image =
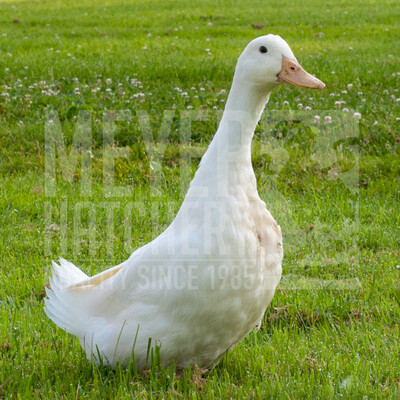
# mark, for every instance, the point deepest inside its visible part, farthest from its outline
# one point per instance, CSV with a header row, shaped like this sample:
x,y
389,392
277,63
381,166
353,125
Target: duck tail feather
x,y
60,306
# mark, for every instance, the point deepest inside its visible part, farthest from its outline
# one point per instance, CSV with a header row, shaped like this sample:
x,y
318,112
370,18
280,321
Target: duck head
x,y
269,61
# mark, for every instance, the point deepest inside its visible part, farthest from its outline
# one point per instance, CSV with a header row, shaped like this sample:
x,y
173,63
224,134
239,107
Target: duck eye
x,y
263,49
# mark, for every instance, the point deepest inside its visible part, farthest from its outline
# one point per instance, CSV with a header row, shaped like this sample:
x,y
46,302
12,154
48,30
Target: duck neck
x,y
227,162
246,101
245,104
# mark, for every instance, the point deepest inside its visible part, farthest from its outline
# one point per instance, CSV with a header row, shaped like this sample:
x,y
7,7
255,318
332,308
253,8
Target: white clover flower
x,y
20,123
189,107
285,103
316,119
328,119
108,81
349,86
300,106
376,123
308,108
345,109
357,115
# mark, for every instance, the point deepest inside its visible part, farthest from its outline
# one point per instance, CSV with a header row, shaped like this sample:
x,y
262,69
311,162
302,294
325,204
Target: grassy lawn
x,y
98,56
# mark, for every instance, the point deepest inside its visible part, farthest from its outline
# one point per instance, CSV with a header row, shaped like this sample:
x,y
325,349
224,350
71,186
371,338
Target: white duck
x,y
200,287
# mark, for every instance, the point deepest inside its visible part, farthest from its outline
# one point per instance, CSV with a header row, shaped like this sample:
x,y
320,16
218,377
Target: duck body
x,y
201,286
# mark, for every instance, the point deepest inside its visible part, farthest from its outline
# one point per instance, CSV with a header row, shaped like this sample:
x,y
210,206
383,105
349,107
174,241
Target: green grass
x,y
313,343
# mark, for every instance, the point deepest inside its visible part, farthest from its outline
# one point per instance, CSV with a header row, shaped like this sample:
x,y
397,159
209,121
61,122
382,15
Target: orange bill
x,y
294,74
